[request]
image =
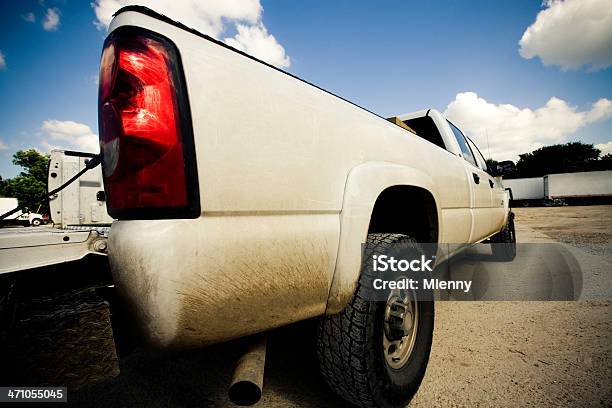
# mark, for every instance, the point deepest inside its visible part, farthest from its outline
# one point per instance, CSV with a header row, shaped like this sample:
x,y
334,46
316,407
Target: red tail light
x,y
145,128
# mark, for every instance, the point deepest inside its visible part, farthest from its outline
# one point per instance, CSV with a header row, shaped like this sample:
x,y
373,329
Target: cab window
x,y
480,160
427,129
466,152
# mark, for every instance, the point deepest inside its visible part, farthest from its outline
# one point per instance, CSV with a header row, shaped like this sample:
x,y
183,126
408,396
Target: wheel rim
x,y
401,321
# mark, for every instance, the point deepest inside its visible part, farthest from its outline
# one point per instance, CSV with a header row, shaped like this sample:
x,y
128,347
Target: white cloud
x,y
512,130
2,60
606,148
3,146
47,147
76,135
211,17
256,41
601,110
51,21
29,17
205,16
571,33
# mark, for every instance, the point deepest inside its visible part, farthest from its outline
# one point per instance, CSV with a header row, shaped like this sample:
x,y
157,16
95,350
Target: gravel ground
x,y
484,353
585,227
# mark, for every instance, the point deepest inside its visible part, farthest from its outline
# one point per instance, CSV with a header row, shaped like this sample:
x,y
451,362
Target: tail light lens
x,y
146,138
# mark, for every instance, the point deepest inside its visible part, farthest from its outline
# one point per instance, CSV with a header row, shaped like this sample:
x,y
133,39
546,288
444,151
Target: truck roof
x,y
416,114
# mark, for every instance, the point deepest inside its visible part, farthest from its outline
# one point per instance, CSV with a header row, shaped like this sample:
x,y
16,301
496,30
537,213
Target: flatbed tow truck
x,y
55,292
27,248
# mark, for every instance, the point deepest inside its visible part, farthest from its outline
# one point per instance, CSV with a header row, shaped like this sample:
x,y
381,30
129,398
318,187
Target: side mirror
x,y
504,168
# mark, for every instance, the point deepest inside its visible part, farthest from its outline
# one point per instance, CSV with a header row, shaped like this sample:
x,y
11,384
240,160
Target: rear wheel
x,y
374,354
36,222
503,244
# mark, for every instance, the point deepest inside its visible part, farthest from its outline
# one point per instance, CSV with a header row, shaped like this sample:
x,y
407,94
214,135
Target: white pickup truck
x,y
244,194
27,219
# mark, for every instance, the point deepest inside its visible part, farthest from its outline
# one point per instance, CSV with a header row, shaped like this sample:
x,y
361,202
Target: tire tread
x,y
342,338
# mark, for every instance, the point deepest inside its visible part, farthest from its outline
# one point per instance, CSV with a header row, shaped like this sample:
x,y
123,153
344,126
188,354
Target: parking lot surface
x,y
510,353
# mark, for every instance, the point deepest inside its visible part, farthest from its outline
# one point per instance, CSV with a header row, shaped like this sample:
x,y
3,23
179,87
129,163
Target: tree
x,y
604,163
31,184
560,158
35,163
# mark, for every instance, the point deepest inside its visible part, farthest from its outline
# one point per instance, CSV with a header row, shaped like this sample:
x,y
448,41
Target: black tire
x,y
36,222
350,349
503,244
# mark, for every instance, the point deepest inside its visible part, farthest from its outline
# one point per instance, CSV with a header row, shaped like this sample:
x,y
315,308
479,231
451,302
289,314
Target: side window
x,y
465,149
482,163
427,129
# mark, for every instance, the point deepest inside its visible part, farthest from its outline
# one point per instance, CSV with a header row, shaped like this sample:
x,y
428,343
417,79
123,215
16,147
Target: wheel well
x,y
406,210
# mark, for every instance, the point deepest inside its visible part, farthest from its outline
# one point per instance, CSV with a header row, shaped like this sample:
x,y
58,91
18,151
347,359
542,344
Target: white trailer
x,y
82,202
531,188
589,184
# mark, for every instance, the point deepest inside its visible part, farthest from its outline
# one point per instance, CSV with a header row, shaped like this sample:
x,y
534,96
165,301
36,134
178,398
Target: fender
x,y
364,184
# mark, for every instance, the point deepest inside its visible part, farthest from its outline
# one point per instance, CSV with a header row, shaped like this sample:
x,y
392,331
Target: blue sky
x,y
391,57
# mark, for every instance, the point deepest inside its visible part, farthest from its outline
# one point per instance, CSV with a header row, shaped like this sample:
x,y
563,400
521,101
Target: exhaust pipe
x,y
247,383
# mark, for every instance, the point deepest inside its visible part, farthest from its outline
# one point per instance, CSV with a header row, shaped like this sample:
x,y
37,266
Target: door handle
x,y
476,178
491,183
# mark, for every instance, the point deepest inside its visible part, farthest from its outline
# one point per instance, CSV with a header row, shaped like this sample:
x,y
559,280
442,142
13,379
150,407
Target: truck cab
x,y
82,202
481,195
